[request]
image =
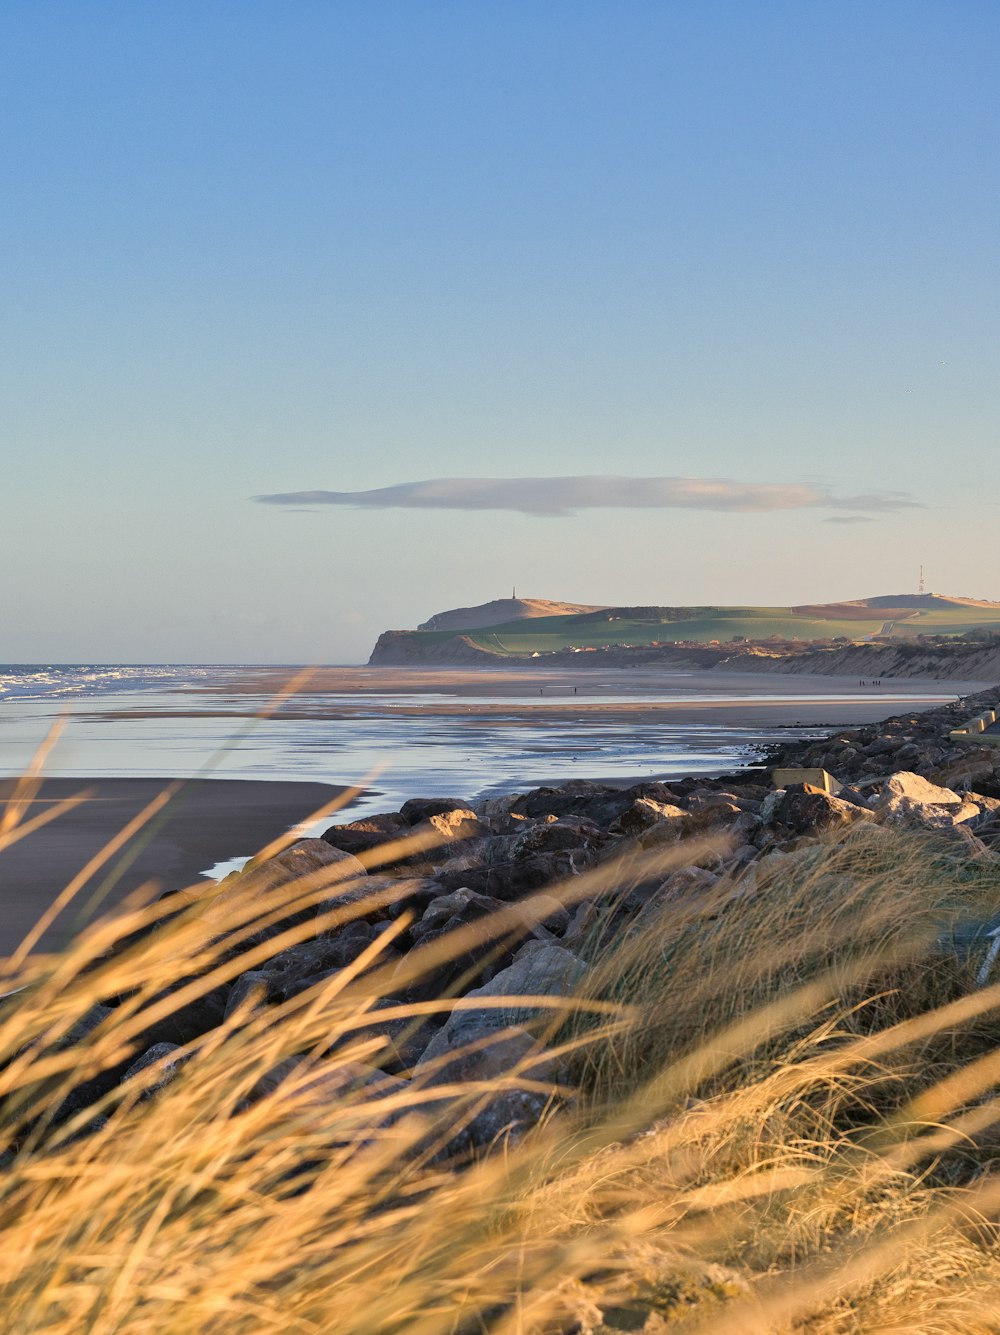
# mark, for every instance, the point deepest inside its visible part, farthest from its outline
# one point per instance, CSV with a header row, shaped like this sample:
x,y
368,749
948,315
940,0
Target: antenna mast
x,y
921,587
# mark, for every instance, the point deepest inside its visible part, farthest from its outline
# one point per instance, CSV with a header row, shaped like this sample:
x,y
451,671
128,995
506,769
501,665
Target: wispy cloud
x,y
850,519
560,496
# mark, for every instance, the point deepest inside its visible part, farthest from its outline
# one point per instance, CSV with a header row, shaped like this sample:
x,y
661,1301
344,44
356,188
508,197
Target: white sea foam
x,y
53,681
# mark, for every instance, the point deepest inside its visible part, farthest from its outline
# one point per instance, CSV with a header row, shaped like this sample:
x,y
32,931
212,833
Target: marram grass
x,y
783,1116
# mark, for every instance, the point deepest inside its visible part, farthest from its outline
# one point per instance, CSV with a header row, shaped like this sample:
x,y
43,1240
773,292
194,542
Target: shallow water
x,y
426,753
422,752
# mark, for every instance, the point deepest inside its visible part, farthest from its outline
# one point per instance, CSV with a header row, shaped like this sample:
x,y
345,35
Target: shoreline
x,y
818,712
799,710
207,822
217,821
524,680
549,695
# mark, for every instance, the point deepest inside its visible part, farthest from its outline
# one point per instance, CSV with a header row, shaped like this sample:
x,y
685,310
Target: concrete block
x,y
818,778
978,729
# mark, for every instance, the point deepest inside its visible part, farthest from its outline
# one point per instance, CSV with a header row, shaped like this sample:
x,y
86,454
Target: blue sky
x,y
260,249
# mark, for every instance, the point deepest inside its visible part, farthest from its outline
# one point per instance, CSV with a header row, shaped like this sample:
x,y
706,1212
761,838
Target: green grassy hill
x,y
900,616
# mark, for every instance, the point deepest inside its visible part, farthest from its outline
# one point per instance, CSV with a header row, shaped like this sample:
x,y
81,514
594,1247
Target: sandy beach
x,y
588,697
594,683
796,712
207,821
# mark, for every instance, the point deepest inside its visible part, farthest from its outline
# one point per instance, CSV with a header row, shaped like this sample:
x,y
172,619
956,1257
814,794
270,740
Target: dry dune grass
x,y
785,1118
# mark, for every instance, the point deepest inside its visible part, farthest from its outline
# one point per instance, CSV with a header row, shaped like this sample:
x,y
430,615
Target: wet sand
x,y
587,697
590,682
208,821
817,713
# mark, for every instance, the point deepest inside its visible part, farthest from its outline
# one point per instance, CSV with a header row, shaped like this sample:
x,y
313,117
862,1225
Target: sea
x,y
139,720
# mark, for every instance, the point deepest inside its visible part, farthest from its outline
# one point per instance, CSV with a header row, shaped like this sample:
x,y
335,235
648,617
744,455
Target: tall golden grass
x,y
778,1112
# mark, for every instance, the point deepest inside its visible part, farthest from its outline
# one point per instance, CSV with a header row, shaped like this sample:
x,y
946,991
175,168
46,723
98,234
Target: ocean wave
x,y
52,681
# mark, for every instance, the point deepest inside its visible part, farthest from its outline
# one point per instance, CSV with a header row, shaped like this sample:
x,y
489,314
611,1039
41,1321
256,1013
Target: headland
x,y
902,635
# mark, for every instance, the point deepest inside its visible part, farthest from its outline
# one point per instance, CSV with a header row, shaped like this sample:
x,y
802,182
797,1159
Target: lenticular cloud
x,y
560,496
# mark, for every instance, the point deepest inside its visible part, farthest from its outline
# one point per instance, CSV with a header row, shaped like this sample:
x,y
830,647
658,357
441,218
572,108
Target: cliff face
x,y
966,662
408,648
958,660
